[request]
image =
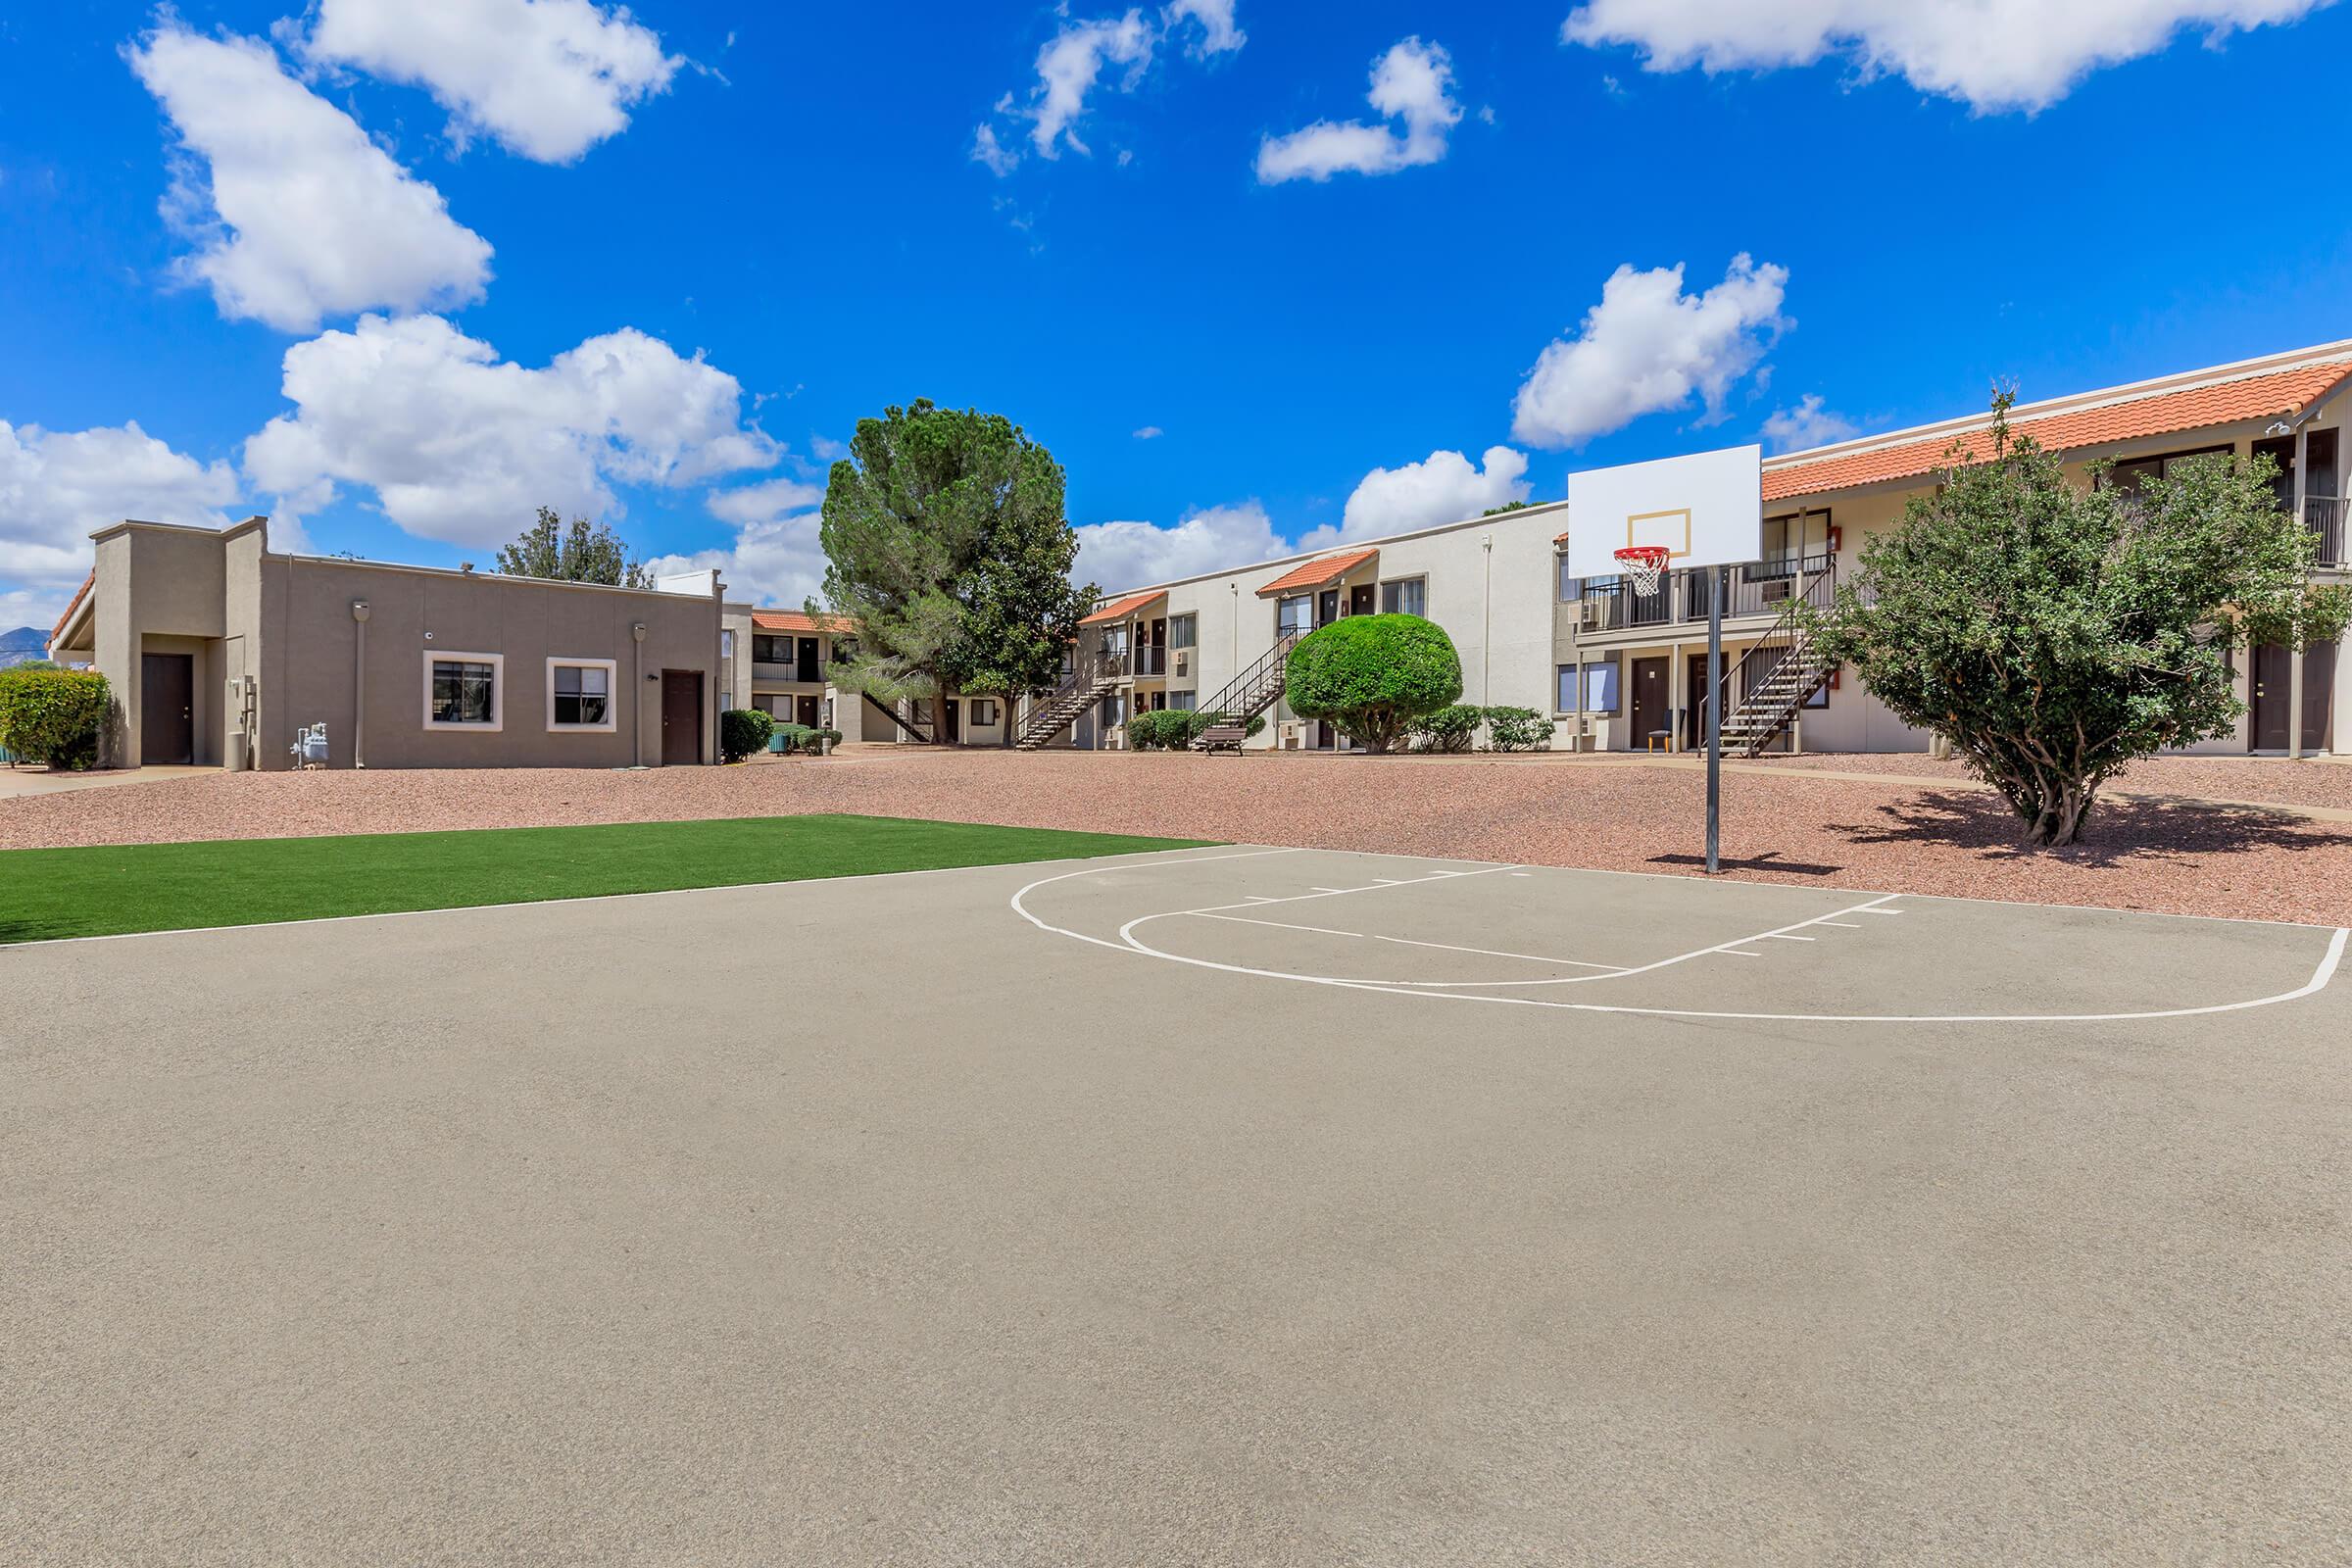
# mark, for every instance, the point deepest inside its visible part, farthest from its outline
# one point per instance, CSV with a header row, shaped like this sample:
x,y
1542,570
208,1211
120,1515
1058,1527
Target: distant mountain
x,y
22,644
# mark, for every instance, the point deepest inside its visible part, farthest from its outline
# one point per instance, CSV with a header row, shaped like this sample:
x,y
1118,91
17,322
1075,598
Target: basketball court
x,y
1227,1204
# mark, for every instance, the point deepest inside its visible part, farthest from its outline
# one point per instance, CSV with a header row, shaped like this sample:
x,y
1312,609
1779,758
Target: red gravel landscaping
x,y
1790,823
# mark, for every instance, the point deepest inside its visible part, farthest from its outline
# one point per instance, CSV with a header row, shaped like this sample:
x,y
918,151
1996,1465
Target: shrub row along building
x,y
220,649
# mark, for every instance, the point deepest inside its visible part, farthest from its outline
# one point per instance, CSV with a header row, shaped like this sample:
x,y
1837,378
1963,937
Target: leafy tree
x,y
1507,506
589,552
2053,634
53,716
1373,676
1517,729
944,540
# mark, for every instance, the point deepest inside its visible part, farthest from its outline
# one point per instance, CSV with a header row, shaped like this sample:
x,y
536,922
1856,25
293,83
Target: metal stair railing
x,y
1088,682
1778,672
1257,688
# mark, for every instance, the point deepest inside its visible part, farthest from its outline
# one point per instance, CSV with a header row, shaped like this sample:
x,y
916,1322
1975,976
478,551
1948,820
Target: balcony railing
x,y
2324,516
1151,662
764,670
1759,588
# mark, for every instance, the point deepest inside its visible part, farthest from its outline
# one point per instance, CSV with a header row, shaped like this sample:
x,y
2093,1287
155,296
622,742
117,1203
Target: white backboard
x,y
1706,509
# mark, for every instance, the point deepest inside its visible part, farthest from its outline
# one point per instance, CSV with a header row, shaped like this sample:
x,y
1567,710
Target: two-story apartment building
x,y
1218,640
1642,657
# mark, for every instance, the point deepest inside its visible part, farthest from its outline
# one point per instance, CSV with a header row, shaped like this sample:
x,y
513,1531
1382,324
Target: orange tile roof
x,y
2248,397
1121,608
800,621
1315,573
79,594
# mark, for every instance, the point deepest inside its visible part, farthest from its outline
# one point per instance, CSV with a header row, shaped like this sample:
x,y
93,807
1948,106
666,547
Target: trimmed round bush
x,y
53,716
743,731
1158,730
1374,675
1452,728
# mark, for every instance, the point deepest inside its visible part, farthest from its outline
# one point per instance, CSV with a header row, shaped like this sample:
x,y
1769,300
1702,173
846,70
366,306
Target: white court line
x,y
2321,975
1848,925
1783,936
1739,953
1409,942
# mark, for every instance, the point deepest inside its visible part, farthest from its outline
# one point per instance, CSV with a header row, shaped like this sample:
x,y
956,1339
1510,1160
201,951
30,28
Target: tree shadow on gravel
x,y
2120,830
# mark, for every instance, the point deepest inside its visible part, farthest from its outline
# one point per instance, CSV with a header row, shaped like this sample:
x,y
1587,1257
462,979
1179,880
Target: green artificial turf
x,y
47,894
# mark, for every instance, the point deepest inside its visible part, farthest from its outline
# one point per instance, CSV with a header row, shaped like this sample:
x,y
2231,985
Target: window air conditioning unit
x,y
1293,734
1594,614
1183,660
1774,591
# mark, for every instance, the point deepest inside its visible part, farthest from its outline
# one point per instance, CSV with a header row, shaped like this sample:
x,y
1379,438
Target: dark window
x,y
1409,597
1181,630
2131,473
583,694
465,693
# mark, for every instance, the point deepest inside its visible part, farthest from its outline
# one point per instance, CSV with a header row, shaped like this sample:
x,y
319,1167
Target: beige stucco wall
x,y
287,623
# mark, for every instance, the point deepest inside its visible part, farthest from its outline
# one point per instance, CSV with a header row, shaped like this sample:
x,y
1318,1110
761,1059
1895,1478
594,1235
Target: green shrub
x,y
1374,675
825,741
53,716
743,731
1449,729
794,737
1517,729
1158,730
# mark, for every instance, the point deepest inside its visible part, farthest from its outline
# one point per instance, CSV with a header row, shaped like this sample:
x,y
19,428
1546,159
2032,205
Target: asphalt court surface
x,y
1217,1207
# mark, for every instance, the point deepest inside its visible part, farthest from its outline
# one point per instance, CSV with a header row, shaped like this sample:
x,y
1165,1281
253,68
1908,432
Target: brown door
x,y
954,709
167,708
1360,598
1650,711
681,716
1327,606
807,714
2271,676
1694,719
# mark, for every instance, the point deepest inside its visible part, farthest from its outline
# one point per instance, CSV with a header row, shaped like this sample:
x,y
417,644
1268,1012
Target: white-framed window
x,y
983,710
1182,629
580,694
1406,596
1600,688
1295,614
726,644
1187,701
464,691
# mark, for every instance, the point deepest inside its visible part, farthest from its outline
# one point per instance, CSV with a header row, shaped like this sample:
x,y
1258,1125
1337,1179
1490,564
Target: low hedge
x,y
53,716
1517,729
1452,728
743,731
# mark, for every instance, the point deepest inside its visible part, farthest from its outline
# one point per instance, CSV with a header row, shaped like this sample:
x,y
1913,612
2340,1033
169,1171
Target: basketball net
x,y
1644,567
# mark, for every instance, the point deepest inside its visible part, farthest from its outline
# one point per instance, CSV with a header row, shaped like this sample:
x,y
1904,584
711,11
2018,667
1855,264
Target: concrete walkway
x,y
31,780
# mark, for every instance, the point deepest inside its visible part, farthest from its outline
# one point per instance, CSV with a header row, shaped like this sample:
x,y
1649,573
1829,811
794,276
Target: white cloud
x,y
1648,346
1072,63
58,486
1412,82
777,559
1067,68
1443,487
462,446
1808,424
1150,432
1219,35
1990,54
766,501
828,450
1126,555
301,217
549,79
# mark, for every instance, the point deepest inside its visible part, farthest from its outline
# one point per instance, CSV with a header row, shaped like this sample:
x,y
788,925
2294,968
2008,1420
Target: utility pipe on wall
x,y
2294,655
358,684
637,696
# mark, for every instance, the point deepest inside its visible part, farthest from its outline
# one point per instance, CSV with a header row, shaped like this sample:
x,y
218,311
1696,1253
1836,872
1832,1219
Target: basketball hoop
x,y
1644,566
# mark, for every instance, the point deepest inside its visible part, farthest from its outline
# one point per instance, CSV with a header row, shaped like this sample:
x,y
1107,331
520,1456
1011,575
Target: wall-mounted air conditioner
x,y
1594,615
1183,660
1293,734
1771,593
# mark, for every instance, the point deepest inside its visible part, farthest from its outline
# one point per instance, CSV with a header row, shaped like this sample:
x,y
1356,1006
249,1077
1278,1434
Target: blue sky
x,y
397,271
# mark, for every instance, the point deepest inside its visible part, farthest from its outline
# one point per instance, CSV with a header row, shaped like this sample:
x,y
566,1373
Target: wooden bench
x,y
1223,738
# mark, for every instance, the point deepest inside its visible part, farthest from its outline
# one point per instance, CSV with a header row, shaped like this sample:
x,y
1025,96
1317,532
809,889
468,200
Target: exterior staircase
x,y
1778,673
1086,685
1255,689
